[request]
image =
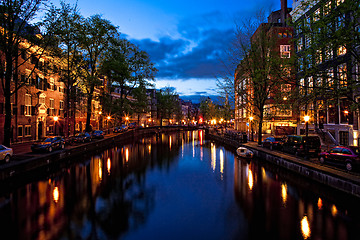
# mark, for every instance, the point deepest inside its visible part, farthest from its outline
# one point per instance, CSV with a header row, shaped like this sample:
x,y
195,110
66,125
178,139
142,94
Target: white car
x,y
5,153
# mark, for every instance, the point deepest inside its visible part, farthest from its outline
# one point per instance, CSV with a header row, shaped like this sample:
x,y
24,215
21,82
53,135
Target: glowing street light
x,y
56,118
251,118
306,119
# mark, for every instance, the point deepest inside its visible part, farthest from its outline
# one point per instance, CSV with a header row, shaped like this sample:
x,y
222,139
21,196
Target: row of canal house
x,y
38,106
325,72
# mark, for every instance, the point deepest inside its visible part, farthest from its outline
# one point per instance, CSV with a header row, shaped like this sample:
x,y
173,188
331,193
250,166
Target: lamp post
x,y
56,118
306,119
251,127
108,118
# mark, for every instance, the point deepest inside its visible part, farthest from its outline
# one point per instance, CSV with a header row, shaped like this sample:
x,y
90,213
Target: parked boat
x,y
244,153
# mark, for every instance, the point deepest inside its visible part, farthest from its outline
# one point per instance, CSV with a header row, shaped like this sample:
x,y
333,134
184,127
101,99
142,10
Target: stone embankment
x,y
330,176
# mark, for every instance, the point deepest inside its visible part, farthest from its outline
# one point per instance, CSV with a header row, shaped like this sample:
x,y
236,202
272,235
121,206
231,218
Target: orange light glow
x,y
320,204
108,165
56,194
305,227
250,180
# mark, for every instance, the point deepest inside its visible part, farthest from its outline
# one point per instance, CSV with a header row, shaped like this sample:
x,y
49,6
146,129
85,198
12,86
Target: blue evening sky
x,y
185,38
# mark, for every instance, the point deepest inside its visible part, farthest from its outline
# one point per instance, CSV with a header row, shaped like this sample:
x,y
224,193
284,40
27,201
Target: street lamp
x,y
251,128
56,118
306,119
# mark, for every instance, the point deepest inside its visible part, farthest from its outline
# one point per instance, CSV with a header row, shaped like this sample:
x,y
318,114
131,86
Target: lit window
x,y
52,84
327,8
341,50
341,69
285,51
52,107
318,56
27,109
338,2
330,77
317,15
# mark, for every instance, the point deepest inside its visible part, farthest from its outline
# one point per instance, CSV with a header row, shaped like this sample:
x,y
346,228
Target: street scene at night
x,y
158,119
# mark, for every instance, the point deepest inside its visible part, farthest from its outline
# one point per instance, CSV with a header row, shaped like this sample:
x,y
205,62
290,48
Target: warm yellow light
x,y
108,165
306,118
285,98
250,180
100,113
346,112
284,193
320,204
149,120
305,227
56,118
56,194
108,117
127,118
251,118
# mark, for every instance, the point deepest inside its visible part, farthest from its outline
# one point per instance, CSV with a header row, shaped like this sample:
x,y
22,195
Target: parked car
x,y
82,137
97,134
273,143
132,125
121,128
299,144
343,156
5,153
49,144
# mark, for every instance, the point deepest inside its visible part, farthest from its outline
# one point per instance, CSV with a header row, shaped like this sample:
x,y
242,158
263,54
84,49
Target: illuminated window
x,y
310,85
316,15
285,51
328,53
52,84
52,107
27,109
300,44
341,50
327,8
330,77
341,69
318,57
338,2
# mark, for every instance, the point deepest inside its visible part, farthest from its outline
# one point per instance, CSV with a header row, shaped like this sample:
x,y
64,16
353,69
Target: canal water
x,y
175,186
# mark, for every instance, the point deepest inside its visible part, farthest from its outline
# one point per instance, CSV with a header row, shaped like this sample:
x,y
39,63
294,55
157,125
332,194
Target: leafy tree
x,y
262,72
328,33
208,109
64,23
19,41
95,35
129,70
167,104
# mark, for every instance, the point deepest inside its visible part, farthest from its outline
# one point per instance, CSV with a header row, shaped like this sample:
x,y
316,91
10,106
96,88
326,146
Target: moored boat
x,y
244,153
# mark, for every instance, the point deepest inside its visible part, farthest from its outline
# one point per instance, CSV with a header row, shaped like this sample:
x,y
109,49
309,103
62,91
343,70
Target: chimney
x,y
283,12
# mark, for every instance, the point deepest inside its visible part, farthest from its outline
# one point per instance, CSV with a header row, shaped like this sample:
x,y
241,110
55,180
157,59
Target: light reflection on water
x,y
175,186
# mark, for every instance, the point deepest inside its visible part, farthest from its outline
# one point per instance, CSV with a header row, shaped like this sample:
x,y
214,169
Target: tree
x,y
208,109
64,23
167,104
19,42
262,72
328,58
129,70
95,35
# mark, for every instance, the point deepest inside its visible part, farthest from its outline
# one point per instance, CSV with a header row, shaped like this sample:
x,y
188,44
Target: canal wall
x,y
28,163
331,177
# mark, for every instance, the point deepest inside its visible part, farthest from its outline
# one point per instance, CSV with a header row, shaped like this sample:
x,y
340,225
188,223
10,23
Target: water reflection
x,y
305,228
167,186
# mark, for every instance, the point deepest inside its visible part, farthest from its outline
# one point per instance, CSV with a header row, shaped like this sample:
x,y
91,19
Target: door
x,y
40,130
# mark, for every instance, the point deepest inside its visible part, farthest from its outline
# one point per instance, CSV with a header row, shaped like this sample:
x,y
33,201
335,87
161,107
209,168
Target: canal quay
x,y
170,184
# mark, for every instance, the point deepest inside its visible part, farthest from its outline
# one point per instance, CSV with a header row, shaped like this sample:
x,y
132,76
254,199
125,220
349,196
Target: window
x,y
42,100
52,84
340,23
341,69
61,107
27,130
20,131
341,50
330,77
300,64
327,8
317,15
318,57
328,53
27,109
300,44
307,41
310,85
338,2
302,86
357,72
285,51
52,107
